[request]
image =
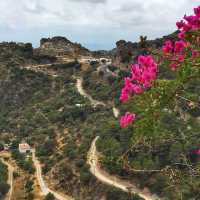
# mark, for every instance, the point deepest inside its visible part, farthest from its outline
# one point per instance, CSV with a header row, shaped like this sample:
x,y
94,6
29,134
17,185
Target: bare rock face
x,y
60,46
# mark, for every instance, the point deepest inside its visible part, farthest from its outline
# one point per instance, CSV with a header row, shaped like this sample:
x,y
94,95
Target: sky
x,y
97,24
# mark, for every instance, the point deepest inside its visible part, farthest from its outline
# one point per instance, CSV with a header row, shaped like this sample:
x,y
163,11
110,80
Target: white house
x,y
24,148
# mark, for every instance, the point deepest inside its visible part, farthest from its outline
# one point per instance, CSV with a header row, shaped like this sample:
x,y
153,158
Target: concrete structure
x,y
24,148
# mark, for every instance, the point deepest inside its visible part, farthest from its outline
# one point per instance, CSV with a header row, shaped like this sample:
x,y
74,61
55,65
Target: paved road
x,y
10,179
106,178
44,189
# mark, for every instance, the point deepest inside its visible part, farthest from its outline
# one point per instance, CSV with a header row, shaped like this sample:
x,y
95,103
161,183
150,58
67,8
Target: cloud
x,y
90,1
99,22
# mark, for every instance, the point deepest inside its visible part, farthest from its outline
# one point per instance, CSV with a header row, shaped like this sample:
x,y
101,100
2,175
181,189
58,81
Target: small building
x,y
24,148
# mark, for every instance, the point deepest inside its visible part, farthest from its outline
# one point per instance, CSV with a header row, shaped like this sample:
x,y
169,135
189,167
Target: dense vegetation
x,y
4,187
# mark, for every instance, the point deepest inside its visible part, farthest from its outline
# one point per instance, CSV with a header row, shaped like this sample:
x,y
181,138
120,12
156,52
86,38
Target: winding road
x,y
44,188
112,180
10,178
79,86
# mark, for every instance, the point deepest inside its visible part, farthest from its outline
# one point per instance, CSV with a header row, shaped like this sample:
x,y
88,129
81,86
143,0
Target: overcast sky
x,y
97,24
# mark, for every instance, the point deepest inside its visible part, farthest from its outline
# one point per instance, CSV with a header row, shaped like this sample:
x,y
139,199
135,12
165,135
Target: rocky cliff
x,y
60,46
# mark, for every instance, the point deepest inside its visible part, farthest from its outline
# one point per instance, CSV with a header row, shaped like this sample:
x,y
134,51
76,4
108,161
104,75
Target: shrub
x,y
4,188
49,196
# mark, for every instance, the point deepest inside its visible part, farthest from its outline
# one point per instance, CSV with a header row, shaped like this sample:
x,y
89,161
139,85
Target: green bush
x,y
85,175
49,196
4,188
115,194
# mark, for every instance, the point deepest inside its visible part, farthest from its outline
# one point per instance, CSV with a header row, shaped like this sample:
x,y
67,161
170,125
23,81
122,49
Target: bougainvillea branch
x,y
181,56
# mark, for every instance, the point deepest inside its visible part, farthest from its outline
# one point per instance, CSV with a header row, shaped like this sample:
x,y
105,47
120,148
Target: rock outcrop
x,y
60,46
125,52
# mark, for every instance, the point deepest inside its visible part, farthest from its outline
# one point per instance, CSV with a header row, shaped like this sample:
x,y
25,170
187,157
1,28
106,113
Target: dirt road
x,y
44,188
83,93
106,178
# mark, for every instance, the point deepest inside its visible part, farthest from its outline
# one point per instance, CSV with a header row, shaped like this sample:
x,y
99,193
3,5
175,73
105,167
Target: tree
x,y
30,196
117,194
1,146
49,196
29,186
85,174
4,188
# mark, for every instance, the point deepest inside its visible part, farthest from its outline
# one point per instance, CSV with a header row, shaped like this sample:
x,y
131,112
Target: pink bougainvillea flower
x,y
147,85
167,47
181,58
174,66
195,54
127,119
189,23
175,53
179,46
180,24
197,11
135,72
141,60
181,35
137,89
142,75
198,152
124,97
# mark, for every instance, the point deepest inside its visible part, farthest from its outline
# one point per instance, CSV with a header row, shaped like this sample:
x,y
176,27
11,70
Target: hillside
x,y
41,104
43,107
